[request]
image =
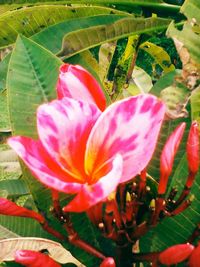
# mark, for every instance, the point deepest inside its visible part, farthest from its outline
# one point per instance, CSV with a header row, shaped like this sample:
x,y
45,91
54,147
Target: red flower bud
x,y
108,262
167,156
8,207
175,254
193,148
34,259
195,257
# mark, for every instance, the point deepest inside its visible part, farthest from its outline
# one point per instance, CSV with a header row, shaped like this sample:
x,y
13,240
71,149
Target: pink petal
x,y
92,194
43,166
129,127
63,127
167,156
78,83
34,259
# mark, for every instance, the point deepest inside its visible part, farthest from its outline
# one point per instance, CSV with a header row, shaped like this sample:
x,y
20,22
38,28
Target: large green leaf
x,y
80,40
17,226
31,81
31,20
51,38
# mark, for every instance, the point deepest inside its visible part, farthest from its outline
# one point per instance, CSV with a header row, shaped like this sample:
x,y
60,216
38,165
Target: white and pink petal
x,y
63,128
76,82
91,194
129,127
43,167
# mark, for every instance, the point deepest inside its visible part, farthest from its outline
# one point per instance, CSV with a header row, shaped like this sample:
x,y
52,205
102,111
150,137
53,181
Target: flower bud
x,y
34,259
175,254
10,208
108,262
193,148
167,156
194,260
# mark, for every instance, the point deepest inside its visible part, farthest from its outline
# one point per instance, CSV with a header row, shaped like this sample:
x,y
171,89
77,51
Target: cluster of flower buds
x,y
169,206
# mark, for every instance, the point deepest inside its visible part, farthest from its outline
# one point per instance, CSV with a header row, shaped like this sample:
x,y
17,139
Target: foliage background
x,y
133,41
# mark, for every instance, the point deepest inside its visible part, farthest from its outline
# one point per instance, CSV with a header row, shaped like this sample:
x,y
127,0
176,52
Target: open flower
x,y
86,152
76,82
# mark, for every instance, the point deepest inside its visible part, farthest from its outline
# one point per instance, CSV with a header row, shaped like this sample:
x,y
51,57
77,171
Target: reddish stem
x,y
53,232
195,234
159,206
184,205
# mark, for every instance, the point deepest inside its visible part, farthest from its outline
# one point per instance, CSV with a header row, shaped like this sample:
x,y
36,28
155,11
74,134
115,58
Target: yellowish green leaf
x,y
160,56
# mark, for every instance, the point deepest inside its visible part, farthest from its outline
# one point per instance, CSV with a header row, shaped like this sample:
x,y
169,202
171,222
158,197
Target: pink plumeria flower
x,y
86,152
167,156
76,82
32,258
10,208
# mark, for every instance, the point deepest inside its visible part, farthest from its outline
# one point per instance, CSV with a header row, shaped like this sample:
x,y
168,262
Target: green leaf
x,y
130,2
51,38
176,98
106,53
160,56
55,249
154,5
3,71
142,80
14,187
4,116
80,40
165,81
195,105
30,20
192,42
191,8
17,226
31,82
